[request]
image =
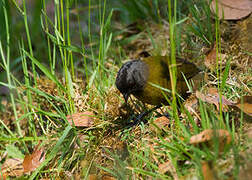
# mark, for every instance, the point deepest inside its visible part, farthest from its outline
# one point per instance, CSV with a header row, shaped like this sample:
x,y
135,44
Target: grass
x,y
52,89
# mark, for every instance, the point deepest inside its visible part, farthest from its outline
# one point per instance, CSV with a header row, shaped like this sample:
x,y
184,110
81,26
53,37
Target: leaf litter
x,y
113,103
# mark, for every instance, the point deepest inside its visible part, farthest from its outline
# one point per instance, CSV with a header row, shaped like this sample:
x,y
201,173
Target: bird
x,y
139,77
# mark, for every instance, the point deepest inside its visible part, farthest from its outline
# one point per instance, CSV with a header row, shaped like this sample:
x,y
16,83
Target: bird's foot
x,y
135,120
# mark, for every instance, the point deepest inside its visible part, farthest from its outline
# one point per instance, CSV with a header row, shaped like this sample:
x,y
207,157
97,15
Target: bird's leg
x,y
138,119
164,113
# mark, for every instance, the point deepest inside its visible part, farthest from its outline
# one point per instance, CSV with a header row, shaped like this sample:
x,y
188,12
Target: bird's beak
x,y
126,97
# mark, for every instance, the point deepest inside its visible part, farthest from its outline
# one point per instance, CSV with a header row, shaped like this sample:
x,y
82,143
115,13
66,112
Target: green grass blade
x,y
45,70
53,153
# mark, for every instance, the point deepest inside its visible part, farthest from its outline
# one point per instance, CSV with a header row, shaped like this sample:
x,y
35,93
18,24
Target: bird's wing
x,y
187,68
183,67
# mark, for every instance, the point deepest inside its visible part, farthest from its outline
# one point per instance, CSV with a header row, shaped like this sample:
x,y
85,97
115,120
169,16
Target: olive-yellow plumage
x,y
138,76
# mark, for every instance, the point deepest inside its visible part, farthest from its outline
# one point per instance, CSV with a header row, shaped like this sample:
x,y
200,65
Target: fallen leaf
x,y
85,119
92,177
191,104
210,59
208,137
161,123
232,9
168,167
212,97
207,171
11,168
32,161
245,104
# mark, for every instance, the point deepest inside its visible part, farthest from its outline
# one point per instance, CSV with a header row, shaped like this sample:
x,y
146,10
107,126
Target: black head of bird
x,y
137,77
132,77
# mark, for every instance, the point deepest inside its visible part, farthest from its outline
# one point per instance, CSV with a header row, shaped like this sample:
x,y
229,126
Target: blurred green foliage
x,y
125,12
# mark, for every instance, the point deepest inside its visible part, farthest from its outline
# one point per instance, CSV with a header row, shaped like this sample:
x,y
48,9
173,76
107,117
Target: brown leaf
x,y
32,161
245,104
92,177
11,168
232,9
191,104
210,59
168,167
85,119
213,97
161,122
208,137
207,171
